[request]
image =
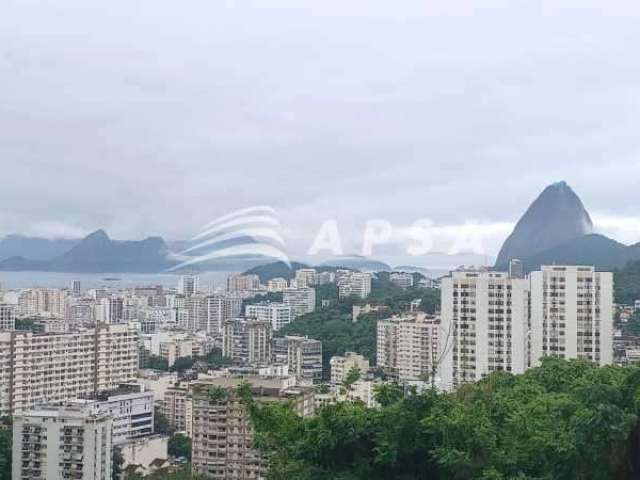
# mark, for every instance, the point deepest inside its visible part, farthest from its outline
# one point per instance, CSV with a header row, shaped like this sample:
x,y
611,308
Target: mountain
x,y
34,248
97,253
555,218
598,250
356,262
275,270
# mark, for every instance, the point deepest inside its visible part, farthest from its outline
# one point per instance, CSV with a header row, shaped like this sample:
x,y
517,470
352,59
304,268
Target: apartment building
x,y
572,313
7,317
176,407
407,346
222,432
277,285
188,285
221,308
130,407
278,314
242,283
301,300
60,443
401,279
303,356
356,284
247,340
53,368
306,277
42,301
342,365
485,319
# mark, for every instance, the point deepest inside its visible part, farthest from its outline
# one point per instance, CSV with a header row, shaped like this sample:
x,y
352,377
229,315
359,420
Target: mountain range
x,y
557,229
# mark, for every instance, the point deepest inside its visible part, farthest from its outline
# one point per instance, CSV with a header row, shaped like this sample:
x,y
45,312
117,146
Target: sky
x,y
154,117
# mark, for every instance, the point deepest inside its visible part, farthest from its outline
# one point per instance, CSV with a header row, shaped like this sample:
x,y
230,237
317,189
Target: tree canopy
x,y
562,420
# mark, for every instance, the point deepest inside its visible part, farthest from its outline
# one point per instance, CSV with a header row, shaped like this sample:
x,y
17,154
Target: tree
x,y
352,376
155,362
161,423
181,364
180,446
6,443
116,464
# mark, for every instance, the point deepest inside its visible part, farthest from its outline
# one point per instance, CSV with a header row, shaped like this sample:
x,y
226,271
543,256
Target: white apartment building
x,y
42,301
572,313
306,277
278,314
60,443
301,300
130,408
53,368
7,317
342,365
407,346
247,340
484,326
277,285
302,354
402,279
354,284
188,285
221,308
242,283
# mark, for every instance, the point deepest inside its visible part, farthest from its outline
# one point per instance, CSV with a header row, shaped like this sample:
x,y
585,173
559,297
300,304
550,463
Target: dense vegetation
x,y
563,420
6,440
627,283
213,360
334,327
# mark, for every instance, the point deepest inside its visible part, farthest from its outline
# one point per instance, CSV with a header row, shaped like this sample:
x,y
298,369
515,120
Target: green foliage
x,y
353,375
180,446
6,442
155,362
334,327
117,461
183,363
161,423
215,359
273,297
564,420
627,283
217,394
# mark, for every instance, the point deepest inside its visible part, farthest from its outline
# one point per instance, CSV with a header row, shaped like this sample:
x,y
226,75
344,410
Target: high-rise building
x,y
277,285
60,443
302,354
222,445
57,367
247,340
484,326
77,288
407,346
301,300
278,314
221,308
176,407
42,301
402,279
306,277
356,284
572,313
342,365
110,310
188,285
243,283
130,408
7,317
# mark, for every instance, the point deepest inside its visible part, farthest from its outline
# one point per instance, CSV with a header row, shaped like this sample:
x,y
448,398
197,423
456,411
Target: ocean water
x,y
14,280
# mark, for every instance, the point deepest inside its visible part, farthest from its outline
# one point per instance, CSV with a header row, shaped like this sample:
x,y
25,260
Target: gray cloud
x,y
153,117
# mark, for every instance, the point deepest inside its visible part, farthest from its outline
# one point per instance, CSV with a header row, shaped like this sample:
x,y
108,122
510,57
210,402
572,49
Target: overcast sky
x,y
152,117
